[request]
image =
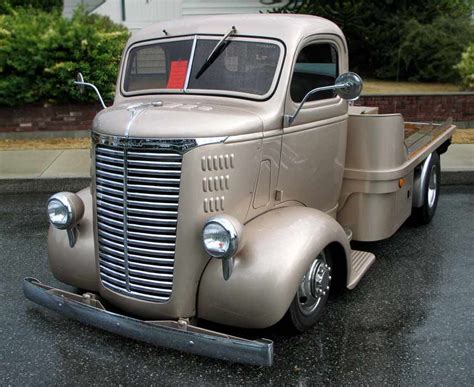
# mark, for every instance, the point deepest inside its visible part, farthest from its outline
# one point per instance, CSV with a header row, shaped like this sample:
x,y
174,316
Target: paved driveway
x,y
409,322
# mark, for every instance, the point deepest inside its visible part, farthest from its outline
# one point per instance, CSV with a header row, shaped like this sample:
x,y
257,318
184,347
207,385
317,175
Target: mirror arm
x,y
79,83
309,94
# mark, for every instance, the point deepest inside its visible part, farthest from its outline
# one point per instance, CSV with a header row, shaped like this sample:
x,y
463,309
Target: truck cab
x,y
229,177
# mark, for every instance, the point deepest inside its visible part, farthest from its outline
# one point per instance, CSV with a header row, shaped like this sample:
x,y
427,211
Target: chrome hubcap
x,y
433,183
315,285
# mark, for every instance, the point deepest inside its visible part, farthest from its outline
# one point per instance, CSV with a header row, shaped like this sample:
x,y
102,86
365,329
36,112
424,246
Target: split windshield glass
x,y
242,66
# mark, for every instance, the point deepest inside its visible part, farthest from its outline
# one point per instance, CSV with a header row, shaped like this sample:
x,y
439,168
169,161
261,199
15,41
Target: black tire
x,y
297,319
430,192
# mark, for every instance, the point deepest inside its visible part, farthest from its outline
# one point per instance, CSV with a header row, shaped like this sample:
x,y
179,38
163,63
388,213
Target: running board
x,y
361,262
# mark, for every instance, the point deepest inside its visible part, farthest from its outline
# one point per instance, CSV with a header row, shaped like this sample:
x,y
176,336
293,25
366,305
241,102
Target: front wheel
x,y
308,305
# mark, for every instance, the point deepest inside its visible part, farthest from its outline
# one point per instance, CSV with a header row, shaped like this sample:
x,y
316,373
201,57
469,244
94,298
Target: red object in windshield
x,y
178,71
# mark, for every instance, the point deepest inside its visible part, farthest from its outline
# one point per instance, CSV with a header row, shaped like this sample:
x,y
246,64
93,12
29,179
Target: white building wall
x,y
214,7
112,9
153,10
140,13
69,6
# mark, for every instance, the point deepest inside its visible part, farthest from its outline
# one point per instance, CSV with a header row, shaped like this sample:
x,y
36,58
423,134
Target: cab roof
x,y
288,28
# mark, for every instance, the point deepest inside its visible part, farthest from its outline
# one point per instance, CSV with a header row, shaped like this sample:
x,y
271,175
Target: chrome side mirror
x,y
348,86
80,82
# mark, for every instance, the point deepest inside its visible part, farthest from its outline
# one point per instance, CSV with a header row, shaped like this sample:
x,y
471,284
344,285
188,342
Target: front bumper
x,y
181,336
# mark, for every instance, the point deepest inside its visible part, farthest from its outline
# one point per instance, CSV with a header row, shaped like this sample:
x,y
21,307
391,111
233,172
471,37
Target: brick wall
x,y
38,117
436,107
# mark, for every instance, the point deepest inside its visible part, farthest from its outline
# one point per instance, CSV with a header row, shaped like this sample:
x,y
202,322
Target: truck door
x,y
314,144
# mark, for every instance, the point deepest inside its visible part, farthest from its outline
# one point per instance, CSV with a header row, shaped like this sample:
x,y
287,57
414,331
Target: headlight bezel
x,y
74,207
232,228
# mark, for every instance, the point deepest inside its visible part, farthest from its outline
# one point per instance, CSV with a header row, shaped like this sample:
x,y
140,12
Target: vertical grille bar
x,y
125,220
137,192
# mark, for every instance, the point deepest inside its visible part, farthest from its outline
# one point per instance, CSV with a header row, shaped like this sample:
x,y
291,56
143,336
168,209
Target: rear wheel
x,y
430,192
308,305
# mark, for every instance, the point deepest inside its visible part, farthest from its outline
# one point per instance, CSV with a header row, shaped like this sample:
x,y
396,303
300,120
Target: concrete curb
x,y
457,177
41,135
74,184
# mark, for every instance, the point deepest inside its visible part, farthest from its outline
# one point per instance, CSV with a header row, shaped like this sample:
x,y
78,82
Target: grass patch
x,y
45,143
373,86
463,136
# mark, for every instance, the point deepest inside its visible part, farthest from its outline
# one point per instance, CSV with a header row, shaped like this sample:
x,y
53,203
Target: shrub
x,y
466,67
40,54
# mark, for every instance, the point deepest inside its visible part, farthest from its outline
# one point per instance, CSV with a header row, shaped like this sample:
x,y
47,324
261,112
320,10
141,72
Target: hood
x,y
175,120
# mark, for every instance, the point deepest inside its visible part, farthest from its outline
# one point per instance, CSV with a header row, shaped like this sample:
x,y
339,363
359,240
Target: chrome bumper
x,y
181,336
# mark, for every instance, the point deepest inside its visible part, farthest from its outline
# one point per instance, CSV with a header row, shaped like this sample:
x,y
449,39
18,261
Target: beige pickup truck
x,y
229,177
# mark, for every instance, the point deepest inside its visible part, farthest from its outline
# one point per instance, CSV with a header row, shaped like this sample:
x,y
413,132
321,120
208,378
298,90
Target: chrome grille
x,y
137,192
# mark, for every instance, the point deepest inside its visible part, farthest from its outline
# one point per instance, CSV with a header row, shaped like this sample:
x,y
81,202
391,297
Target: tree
x,y
380,33
466,67
6,6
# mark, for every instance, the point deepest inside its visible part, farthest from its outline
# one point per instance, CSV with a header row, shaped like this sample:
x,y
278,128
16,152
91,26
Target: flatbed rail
x,y
419,135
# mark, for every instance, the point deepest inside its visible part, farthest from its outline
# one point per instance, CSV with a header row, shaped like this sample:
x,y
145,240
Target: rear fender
x,y
279,247
75,266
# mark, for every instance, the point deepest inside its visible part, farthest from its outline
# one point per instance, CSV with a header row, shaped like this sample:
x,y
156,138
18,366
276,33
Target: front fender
x,y
75,266
279,247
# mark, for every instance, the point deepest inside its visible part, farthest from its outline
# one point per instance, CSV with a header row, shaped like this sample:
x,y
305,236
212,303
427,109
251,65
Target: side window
x,y
316,66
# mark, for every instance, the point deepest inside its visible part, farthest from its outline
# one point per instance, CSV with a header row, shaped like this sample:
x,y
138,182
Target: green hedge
x,y
40,54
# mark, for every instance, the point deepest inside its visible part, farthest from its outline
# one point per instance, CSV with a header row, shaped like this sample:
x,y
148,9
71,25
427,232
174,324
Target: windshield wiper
x,y
216,51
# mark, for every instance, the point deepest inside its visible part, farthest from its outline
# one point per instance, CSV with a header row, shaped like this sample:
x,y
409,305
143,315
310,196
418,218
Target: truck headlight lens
x,y
59,214
220,236
65,210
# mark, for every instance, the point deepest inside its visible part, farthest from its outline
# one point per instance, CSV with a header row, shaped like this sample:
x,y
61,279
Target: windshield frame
x,y
185,90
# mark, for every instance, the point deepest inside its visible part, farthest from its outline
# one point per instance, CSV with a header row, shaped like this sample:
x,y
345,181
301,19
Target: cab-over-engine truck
x,y
228,179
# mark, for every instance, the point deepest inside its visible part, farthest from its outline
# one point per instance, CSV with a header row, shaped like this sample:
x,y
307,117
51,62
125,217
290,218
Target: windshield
x,y
243,66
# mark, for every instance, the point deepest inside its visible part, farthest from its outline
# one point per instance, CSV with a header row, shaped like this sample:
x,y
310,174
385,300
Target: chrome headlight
x,y
221,236
65,210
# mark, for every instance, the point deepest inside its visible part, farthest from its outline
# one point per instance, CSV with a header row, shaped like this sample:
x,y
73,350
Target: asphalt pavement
x,y
409,322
